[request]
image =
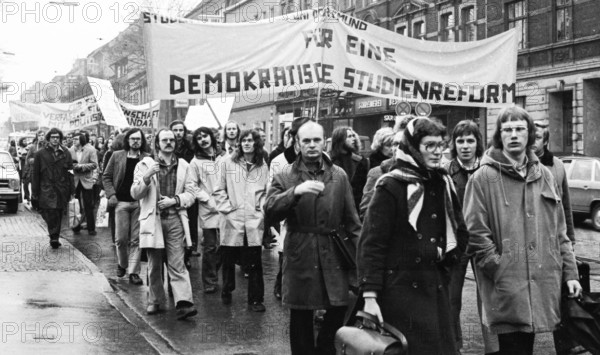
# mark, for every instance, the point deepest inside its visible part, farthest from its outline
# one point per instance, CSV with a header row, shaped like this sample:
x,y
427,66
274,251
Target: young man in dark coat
x,y
52,183
314,196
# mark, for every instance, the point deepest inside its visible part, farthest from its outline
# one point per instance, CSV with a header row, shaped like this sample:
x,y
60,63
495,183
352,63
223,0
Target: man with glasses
x,y
164,191
518,237
52,183
117,180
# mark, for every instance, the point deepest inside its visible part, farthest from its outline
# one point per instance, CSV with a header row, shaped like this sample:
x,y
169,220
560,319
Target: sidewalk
x,y
58,302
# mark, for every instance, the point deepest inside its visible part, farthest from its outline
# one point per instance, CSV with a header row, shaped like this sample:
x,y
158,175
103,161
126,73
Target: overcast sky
x,y
46,38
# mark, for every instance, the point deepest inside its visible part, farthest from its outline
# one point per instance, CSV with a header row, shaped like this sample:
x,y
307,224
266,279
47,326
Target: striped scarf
x,y
407,170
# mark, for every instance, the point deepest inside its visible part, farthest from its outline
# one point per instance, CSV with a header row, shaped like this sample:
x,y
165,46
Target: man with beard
x,y
85,170
204,174
231,132
161,186
117,179
184,151
344,153
52,183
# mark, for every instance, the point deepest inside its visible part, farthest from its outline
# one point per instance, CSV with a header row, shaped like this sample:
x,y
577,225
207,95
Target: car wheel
x,y
12,206
596,218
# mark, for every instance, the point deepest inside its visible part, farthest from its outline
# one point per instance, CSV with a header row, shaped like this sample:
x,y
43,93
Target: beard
x,y
351,148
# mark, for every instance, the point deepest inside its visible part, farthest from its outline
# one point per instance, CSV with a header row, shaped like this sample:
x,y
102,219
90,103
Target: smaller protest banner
x,y
108,102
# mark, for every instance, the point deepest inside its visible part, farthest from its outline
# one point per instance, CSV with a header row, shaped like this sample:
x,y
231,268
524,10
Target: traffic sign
x,y
403,108
423,109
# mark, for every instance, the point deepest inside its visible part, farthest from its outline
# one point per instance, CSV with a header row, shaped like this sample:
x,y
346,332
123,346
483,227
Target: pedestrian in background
x,y
344,153
85,171
413,233
518,237
161,186
315,197
52,183
381,146
231,135
466,149
117,180
240,195
23,174
204,173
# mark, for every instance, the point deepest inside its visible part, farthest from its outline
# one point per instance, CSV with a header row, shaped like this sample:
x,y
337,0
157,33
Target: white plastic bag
x,y
74,213
102,215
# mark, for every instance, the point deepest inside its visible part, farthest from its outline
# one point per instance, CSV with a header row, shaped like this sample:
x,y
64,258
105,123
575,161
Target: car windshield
x,y
6,160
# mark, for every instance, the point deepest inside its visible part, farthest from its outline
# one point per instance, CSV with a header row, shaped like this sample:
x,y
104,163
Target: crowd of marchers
x,y
416,218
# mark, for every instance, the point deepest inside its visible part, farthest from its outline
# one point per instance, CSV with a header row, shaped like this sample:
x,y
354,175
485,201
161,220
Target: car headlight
x,y
13,184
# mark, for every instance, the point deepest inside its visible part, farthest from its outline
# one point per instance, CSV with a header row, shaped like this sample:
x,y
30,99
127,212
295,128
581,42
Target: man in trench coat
x,y
315,197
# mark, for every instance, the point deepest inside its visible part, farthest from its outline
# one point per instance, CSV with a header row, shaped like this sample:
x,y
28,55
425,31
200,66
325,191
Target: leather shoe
x,y
226,298
54,243
92,232
120,271
186,312
256,307
152,309
135,279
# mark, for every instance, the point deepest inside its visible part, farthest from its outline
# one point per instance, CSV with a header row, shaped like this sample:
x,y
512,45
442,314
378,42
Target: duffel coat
x,y
314,275
519,240
205,174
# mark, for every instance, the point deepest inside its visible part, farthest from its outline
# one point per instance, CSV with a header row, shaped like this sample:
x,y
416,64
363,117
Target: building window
x,y
517,18
121,69
419,29
401,30
563,20
447,27
469,28
520,101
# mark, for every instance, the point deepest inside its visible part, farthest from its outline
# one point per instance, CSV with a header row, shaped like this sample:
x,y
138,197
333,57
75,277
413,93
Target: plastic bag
x,y
102,215
74,213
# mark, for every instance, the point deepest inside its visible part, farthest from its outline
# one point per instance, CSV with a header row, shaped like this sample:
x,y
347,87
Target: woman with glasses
x,y
412,234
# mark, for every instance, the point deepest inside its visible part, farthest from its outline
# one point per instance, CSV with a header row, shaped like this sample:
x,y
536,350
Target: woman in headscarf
x,y
413,232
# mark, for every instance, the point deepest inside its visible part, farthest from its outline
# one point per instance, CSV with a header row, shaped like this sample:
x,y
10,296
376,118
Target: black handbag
x,y
346,247
361,340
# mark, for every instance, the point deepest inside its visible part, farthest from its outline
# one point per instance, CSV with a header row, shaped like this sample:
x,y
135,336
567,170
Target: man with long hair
x,y
52,183
344,153
204,173
117,180
164,192
240,195
85,170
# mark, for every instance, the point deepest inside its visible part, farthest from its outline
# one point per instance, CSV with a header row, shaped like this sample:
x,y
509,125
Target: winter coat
x,y
376,158
51,181
240,194
204,173
460,177
369,189
314,273
403,266
114,172
557,168
151,234
518,238
86,170
357,168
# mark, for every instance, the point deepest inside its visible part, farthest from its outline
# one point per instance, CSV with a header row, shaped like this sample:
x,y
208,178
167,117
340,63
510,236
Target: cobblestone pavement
x,y
57,301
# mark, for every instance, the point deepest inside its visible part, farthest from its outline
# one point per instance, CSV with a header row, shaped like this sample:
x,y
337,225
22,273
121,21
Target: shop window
x,y
563,20
469,27
419,29
517,18
447,27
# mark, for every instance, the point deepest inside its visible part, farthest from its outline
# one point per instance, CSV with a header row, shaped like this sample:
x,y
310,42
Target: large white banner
x,y
328,49
81,113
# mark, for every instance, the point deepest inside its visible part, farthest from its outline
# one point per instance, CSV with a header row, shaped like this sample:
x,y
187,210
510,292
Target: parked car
x,y
583,174
10,183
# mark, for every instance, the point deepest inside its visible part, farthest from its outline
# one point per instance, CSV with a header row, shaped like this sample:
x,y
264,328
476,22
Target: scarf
x,y
408,170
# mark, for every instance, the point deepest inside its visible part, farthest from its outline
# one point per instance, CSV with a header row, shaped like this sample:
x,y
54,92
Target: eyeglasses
x,y
510,130
433,146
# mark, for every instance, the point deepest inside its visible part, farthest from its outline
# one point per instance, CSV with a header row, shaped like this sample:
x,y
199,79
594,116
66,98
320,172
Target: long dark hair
x,y
211,134
338,141
128,134
52,131
259,153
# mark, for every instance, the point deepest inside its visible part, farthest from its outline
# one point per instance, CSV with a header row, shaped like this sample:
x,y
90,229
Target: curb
x,y
156,341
